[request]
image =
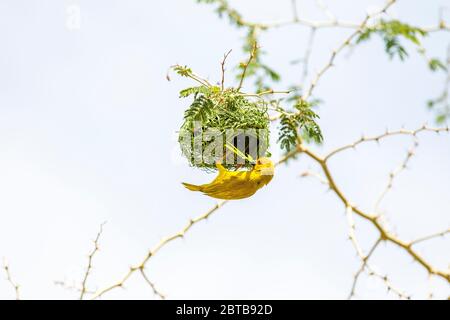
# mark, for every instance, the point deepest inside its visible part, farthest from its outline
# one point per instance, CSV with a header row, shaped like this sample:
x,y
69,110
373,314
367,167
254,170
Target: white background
x,y
88,134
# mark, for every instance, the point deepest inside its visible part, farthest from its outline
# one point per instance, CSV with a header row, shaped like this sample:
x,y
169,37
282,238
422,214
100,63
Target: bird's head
x,y
265,166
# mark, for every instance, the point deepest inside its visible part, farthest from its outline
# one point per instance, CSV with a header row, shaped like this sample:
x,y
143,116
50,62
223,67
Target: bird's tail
x,y
192,187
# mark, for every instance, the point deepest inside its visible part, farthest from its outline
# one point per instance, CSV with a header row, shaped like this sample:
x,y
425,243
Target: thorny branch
x,y
341,47
222,64
91,255
10,279
384,234
246,64
331,22
395,173
152,285
365,266
73,286
431,236
141,266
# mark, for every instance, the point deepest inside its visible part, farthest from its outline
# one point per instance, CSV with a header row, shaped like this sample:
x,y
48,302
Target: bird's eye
x,y
258,162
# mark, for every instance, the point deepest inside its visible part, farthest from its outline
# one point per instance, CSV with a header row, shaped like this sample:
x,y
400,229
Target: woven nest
x,y
221,127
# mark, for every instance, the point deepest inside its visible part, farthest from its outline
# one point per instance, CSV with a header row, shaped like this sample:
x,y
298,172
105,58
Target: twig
x,y
325,10
73,286
315,175
431,236
267,92
10,279
365,262
222,64
84,289
390,287
152,285
245,66
351,232
388,133
344,44
193,76
307,55
364,259
395,173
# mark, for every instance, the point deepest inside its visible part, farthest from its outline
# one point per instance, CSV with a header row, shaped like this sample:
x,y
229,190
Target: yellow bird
x,y
232,185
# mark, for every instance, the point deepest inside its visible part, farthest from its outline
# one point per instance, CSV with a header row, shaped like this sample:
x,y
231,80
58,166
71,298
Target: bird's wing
x,y
235,185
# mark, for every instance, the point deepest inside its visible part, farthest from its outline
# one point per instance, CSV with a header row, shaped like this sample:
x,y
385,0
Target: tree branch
x,y
84,289
10,279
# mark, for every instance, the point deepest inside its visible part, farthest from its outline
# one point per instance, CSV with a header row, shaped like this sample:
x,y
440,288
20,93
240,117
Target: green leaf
x,y
364,36
196,90
440,119
435,64
271,73
183,71
302,121
391,32
199,110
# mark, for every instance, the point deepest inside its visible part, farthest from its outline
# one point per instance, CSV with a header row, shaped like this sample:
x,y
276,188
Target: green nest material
x,y
219,121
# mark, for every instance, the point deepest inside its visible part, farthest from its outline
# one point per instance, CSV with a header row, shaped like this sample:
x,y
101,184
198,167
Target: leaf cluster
x,y
435,64
299,124
391,33
183,71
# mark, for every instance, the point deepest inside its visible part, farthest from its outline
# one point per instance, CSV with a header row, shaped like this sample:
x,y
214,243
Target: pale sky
x,y
88,127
